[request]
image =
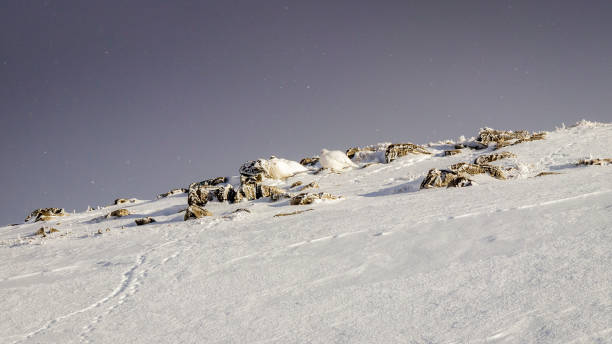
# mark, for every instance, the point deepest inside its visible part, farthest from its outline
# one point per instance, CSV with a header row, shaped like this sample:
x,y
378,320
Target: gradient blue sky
x,y
111,99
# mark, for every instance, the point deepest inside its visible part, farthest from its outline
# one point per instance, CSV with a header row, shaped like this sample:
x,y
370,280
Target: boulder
x,y
485,159
473,169
198,194
45,214
444,178
173,192
248,191
254,171
309,198
398,150
309,161
273,192
223,193
123,200
298,183
196,212
503,138
144,221
119,213
354,150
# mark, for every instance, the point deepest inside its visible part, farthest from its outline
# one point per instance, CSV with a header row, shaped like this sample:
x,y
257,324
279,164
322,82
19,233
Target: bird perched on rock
x,y
335,160
283,168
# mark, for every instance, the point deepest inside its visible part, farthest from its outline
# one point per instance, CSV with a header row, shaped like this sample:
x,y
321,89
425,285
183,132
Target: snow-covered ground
x,y
523,260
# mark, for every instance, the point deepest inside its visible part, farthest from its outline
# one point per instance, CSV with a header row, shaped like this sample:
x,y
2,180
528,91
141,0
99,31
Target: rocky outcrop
x,y
398,150
45,214
351,152
172,192
473,169
309,198
309,161
504,138
119,213
248,191
598,161
273,192
123,200
196,212
198,194
485,159
144,221
445,178
298,183
222,193
254,171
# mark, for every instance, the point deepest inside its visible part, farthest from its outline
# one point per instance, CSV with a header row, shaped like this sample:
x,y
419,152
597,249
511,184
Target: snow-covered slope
x,y
523,260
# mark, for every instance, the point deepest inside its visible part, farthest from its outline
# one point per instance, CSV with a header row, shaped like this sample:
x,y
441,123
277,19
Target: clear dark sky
x,y
106,99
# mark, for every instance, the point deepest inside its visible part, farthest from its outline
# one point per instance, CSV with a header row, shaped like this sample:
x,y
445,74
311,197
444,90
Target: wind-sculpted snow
x,y
520,260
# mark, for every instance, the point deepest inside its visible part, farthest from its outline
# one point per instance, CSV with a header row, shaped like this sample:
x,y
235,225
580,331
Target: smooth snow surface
x,y
523,260
335,160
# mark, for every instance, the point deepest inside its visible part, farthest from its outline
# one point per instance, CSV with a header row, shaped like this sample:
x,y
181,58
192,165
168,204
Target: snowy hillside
x,y
525,259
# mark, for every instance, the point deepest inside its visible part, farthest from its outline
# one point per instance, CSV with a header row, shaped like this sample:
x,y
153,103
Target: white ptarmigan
x,y
283,168
335,160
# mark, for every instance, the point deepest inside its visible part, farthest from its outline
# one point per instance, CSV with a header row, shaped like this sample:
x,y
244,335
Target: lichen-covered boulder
x,y
398,150
444,178
144,221
473,169
309,161
309,198
351,152
248,191
485,159
196,212
254,171
503,138
222,193
273,192
45,214
119,213
123,200
198,194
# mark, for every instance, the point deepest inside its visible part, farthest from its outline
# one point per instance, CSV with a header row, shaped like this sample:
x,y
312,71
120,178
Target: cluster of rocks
x,y
309,198
45,214
598,161
124,200
503,138
458,175
391,151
